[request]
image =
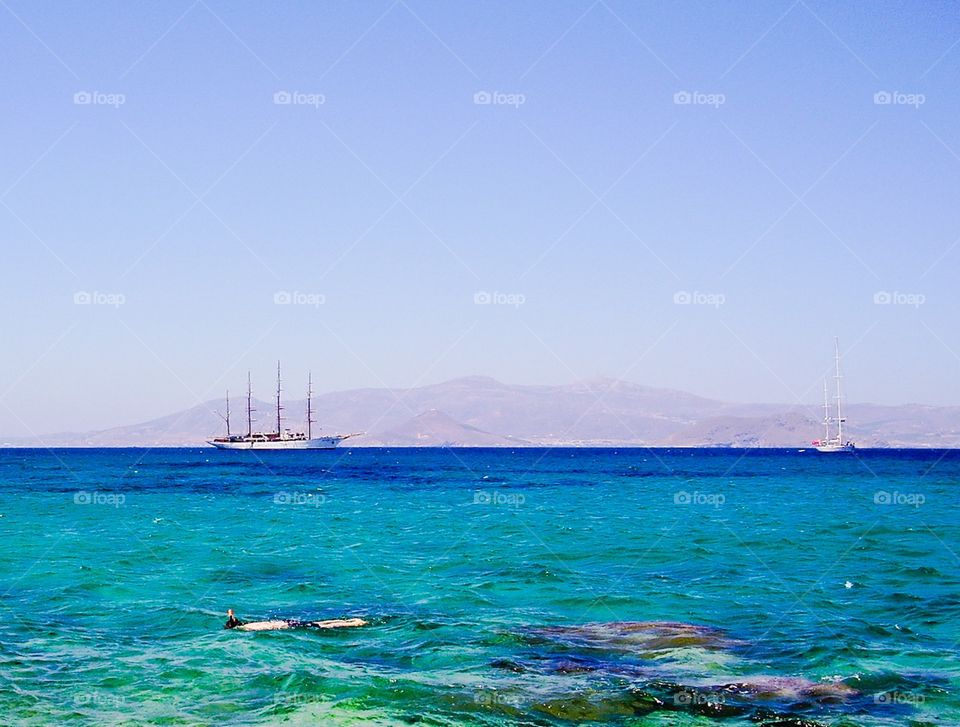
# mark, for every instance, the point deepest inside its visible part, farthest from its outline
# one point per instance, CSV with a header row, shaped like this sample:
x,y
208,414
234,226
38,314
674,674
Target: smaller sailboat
x,y
831,443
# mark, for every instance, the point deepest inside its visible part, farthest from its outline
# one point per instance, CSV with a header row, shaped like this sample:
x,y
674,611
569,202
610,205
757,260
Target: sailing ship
x,y
831,443
281,438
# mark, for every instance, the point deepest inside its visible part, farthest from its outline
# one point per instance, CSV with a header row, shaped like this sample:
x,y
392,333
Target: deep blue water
x,y
502,587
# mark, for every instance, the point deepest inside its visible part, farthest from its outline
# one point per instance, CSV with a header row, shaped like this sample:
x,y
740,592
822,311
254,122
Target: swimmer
x,y
283,624
232,621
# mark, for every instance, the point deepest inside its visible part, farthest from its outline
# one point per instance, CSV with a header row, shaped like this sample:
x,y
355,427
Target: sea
x,y
501,587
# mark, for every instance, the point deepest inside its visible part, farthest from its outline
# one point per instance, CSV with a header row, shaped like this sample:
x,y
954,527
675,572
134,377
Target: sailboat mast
x,y
249,406
279,408
836,343
309,405
228,412
826,413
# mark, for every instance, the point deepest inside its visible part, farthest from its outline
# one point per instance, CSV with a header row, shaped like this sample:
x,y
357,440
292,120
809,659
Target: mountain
x,y
187,427
788,429
436,429
480,411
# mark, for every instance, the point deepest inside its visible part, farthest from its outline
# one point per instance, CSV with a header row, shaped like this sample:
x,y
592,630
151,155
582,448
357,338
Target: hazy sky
x,y
683,194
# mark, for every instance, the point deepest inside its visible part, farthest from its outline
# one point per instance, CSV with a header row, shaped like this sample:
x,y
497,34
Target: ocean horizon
x,y
675,586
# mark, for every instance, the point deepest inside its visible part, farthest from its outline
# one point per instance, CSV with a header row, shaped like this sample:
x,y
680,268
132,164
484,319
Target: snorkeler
x,y
281,624
232,621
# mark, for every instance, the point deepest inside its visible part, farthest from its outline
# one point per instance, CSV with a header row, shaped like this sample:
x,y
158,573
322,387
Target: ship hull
x,y
316,443
827,448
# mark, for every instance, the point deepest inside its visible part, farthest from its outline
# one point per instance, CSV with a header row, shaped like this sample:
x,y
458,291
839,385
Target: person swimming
x,y
282,624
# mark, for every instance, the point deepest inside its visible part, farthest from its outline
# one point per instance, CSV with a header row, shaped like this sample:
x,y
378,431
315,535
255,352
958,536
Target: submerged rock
x,y
644,656
593,707
590,707
508,665
573,666
791,689
644,637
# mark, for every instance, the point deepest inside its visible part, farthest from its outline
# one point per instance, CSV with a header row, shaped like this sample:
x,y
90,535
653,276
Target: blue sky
x,y
683,195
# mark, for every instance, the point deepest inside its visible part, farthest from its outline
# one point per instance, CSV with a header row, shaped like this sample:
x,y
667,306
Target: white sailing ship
x,y
281,438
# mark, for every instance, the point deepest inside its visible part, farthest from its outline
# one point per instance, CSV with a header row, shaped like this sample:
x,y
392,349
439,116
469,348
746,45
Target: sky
x,y
689,195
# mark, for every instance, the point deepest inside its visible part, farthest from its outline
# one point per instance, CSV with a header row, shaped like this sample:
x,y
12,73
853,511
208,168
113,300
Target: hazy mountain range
x,y
480,411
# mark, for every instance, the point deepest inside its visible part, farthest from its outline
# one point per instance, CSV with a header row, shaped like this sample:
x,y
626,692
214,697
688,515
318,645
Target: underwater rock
x,y
788,689
637,636
582,707
572,666
642,654
771,719
508,665
639,702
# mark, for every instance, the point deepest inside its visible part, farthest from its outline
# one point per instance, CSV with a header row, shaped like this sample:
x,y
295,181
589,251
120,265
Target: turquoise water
x,y
819,589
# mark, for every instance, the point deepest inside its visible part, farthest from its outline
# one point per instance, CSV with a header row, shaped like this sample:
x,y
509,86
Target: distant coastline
x,y
478,411
476,447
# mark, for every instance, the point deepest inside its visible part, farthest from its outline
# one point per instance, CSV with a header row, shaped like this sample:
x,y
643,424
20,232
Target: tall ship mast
x,y
834,443
279,407
310,419
226,417
281,438
249,407
826,413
